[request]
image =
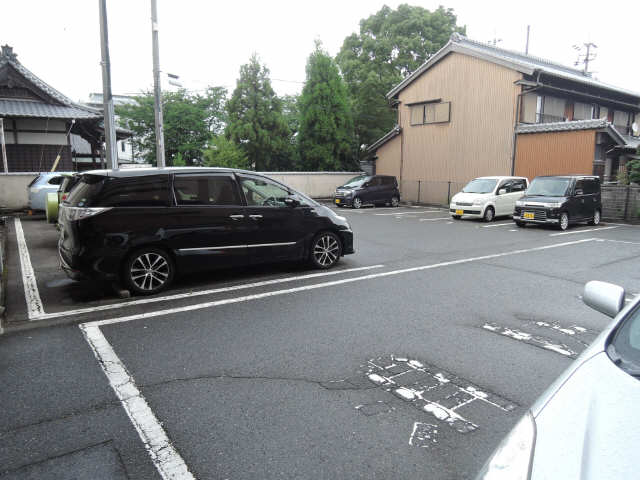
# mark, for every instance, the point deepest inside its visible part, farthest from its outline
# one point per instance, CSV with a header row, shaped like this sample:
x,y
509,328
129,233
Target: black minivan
x,y
560,200
145,225
368,190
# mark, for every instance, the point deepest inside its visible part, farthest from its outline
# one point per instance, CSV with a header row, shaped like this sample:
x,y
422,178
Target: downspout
x,y
517,119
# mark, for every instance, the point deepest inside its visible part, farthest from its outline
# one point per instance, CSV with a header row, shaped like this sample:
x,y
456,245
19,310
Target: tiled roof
x,y
632,142
595,124
7,57
21,108
521,62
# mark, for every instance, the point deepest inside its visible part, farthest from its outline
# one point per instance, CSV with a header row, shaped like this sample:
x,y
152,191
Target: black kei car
x,y
368,190
144,225
560,201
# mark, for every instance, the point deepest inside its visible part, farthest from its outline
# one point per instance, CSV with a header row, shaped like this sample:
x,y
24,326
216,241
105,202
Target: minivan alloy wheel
x,y
596,218
564,221
326,250
357,203
395,201
149,271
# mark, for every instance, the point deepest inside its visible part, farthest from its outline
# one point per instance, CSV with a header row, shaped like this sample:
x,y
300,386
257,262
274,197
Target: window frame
x,y
423,106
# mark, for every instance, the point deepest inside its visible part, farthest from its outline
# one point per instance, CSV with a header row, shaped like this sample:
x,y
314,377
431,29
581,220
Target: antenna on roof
x,y
526,48
585,58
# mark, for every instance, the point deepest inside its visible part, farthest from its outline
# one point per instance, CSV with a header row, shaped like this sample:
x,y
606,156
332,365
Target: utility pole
x,y
4,150
587,57
157,89
107,97
526,48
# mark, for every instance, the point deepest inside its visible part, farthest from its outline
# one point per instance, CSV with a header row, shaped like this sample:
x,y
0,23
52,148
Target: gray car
x,y
47,182
586,425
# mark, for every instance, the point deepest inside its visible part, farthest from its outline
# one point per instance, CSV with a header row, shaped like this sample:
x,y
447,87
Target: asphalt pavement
x,y
412,358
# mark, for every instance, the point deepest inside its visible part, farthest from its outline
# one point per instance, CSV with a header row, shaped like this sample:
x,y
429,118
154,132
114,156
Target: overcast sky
x,y
206,41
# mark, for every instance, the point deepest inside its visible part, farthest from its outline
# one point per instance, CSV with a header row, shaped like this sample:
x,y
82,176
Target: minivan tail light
x,y
78,213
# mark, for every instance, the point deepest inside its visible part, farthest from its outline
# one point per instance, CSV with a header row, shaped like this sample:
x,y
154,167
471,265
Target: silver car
x,y
47,182
587,424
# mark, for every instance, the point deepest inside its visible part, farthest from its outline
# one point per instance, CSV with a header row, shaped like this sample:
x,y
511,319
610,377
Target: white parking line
x,y
498,225
164,456
31,293
434,219
617,241
178,296
315,286
409,213
581,231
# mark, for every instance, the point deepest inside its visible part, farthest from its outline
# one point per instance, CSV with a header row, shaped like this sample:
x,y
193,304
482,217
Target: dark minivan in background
x,y
368,190
144,225
560,200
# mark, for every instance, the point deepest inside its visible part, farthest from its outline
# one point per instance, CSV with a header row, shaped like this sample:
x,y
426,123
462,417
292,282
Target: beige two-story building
x,y
474,109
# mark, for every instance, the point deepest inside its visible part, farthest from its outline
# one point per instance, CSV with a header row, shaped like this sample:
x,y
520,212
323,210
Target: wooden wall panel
x,y
555,153
478,139
388,162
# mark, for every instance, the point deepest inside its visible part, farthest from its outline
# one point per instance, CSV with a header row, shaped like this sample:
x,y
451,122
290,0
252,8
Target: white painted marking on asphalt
x,y
164,456
513,230
409,213
617,241
179,296
530,339
581,231
315,286
497,225
434,219
31,293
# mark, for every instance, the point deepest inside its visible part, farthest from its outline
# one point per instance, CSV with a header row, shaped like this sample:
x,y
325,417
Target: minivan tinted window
x,y
591,186
148,191
205,190
86,192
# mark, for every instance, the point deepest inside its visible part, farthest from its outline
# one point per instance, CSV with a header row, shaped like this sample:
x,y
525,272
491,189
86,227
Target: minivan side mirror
x,y
502,191
291,202
604,297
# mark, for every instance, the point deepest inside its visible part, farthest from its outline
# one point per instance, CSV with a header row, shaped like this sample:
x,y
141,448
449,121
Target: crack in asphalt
x,y
342,384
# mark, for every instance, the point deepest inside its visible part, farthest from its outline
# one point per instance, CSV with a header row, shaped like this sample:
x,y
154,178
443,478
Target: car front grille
x,y
538,213
463,204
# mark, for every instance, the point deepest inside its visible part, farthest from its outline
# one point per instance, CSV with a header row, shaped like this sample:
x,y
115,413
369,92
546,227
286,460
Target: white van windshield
x,y
480,185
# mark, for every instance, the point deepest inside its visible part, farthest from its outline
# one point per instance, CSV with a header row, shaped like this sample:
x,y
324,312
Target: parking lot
x,y
412,357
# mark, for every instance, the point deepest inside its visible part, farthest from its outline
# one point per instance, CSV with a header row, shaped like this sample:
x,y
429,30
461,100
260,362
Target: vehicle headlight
x,y
519,203
512,459
553,205
479,201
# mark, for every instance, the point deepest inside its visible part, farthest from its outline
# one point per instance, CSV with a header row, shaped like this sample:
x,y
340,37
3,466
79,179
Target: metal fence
x,y
621,203
431,192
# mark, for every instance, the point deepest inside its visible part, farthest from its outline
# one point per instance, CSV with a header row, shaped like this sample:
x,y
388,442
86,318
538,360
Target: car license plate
x,y
337,200
459,212
529,215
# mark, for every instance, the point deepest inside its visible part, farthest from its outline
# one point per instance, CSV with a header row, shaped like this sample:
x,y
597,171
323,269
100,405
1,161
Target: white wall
x,y
13,186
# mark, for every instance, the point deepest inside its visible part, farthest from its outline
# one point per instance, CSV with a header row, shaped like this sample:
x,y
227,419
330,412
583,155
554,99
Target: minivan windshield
x,y
480,185
356,181
549,186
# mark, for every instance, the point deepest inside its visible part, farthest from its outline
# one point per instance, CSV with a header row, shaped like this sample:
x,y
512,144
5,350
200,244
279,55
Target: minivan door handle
x,y
236,217
255,217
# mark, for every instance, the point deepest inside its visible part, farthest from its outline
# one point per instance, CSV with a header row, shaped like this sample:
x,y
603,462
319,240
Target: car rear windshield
x,y
86,192
480,185
549,186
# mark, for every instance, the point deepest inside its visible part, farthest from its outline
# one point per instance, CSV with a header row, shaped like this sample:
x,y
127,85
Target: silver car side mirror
x,y
604,297
502,191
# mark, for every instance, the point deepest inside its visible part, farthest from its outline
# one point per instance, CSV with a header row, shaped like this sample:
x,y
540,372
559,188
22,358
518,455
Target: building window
x,y
550,109
431,112
582,111
621,121
123,146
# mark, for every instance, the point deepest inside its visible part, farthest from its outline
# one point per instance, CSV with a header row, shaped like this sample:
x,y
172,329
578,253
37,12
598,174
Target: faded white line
x,y
581,231
617,241
434,219
179,296
409,213
497,225
31,293
164,456
315,286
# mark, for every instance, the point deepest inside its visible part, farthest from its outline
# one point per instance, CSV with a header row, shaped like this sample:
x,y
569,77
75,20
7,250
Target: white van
x,y
488,197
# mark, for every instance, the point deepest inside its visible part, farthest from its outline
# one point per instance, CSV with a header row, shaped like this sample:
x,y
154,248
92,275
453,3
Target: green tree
x,y
633,169
255,120
325,139
391,44
291,114
189,121
222,152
